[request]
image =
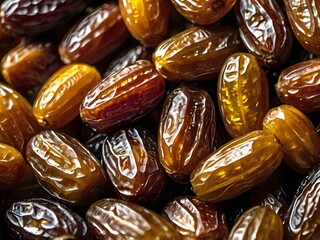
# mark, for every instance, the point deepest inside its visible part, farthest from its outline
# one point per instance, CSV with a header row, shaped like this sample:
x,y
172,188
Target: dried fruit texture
x,y
59,99
195,219
44,219
186,131
12,166
297,135
299,85
304,18
258,223
197,53
242,94
264,31
302,219
147,20
28,66
203,12
117,219
17,122
96,36
28,17
65,168
237,166
125,96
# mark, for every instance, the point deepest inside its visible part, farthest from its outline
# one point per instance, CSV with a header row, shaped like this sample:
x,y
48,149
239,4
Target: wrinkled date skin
x,y
195,219
186,131
299,85
131,160
264,31
147,20
125,96
28,17
242,94
28,66
304,18
65,168
117,219
261,221
297,135
237,166
43,219
197,53
59,99
95,37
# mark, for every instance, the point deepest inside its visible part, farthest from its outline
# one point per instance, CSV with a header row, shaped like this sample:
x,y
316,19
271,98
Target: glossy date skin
x,y
96,36
186,131
237,166
264,31
242,94
123,97
197,53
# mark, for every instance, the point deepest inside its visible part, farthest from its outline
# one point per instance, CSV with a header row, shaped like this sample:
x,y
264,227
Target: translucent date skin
x,y
95,37
264,31
186,131
258,223
30,65
237,166
242,94
203,12
197,53
65,169
27,17
297,135
130,158
59,99
125,96
304,17
117,219
147,20
195,219
12,166
43,219
299,85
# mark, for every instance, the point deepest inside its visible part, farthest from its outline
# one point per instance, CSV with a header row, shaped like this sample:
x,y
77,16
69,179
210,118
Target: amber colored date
x,y
186,131
117,219
197,53
299,85
242,94
95,37
123,97
237,166
297,135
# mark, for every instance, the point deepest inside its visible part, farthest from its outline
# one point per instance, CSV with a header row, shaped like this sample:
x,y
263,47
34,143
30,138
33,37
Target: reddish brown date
x,y
186,131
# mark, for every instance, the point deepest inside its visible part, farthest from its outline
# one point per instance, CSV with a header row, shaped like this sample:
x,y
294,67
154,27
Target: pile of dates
x,y
160,119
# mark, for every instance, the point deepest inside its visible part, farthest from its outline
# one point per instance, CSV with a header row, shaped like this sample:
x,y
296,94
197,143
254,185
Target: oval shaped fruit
x,y
147,20
298,136
59,99
65,168
44,219
96,36
242,94
264,31
131,160
197,53
117,219
259,222
237,166
123,97
299,85
195,219
186,131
